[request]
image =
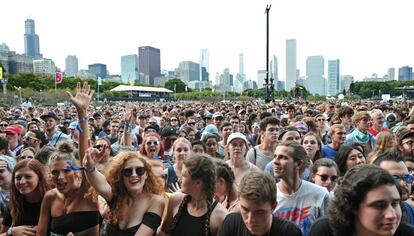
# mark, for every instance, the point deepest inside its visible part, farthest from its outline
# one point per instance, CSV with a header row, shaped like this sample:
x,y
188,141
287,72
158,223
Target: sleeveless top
x,y
74,222
189,225
150,219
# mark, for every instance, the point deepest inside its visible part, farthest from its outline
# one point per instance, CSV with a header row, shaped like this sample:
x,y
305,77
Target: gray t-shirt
x,y
260,159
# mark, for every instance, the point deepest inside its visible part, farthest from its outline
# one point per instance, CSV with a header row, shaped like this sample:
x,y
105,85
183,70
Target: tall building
x,y
130,69
405,73
241,64
72,65
31,40
274,71
4,48
98,69
189,71
391,73
204,65
333,77
44,66
346,81
290,64
261,76
15,63
149,64
315,80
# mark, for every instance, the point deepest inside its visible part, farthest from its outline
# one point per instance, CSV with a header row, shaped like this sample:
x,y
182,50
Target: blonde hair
x,y
359,116
385,142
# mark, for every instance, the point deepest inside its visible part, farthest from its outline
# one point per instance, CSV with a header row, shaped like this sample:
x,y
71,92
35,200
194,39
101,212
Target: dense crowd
x,y
192,168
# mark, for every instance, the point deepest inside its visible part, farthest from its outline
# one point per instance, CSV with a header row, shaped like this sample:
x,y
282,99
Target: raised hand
x,y
90,157
82,98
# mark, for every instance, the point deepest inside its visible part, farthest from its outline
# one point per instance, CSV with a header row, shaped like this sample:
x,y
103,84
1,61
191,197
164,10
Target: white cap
x,y
236,135
217,114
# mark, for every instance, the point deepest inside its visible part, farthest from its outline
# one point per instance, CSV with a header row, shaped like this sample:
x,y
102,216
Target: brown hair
x,y
16,198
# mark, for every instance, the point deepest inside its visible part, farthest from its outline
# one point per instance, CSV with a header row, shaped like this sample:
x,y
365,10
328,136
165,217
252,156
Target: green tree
x,y
177,83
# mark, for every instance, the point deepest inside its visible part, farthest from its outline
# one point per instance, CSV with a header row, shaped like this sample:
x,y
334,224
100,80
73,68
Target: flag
x,y
1,72
58,77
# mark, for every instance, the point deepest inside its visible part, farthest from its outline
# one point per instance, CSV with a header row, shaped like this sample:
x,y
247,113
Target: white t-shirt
x,y
303,207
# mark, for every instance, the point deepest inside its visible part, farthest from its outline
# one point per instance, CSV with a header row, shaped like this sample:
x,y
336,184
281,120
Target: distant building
x,y
98,69
346,81
4,48
205,65
333,77
238,83
405,73
130,69
149,64
315,80
31,40
189,71
261,76
290,64
44,66
72,66
161,80
274,71
391,73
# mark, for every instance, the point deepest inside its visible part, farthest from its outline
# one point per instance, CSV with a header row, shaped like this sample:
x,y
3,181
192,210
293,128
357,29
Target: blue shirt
x,y
329,152
58,137
409,211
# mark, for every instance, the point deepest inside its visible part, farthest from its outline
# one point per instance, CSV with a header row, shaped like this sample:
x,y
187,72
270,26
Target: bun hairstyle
x,y
65,151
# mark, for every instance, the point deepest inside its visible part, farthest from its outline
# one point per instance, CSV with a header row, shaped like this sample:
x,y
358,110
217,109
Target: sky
x,y
367,36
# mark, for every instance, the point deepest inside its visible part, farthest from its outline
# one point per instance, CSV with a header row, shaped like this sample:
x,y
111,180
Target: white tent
x,y
128,88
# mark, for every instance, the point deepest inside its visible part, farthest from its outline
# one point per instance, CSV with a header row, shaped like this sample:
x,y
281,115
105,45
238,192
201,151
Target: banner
x,y
1,72
58,77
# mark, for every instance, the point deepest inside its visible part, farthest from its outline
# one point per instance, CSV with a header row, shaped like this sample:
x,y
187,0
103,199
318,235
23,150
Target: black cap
x,y
49,115
168,131
153,128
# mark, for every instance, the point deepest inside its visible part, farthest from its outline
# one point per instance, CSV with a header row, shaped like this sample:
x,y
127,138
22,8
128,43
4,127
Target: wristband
x,y
89,170
81,119
9,231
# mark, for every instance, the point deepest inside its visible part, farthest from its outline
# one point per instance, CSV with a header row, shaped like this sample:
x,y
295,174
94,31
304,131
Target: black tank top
x,y
189,225
74,222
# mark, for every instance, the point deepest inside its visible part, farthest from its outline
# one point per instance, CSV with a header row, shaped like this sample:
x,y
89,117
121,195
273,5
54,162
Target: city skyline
x,y
357,33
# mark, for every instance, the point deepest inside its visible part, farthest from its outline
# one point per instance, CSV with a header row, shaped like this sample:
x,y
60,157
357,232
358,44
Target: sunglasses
x,y
321,119
99,146
4,125
191,123
173,119
128,172
326,177
407,178
152,143
27,138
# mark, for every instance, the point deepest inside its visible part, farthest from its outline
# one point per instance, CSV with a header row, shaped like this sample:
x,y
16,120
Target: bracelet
x,y
81,119
128,128
9,231
89,170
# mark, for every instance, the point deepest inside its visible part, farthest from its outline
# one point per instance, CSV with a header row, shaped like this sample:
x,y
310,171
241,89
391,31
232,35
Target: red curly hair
x,y
146,136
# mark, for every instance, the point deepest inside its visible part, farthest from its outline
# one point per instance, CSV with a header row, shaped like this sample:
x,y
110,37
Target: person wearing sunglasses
x,y
193,211
68,208
104,157
393,162
133,193
325,173
28,187
35,139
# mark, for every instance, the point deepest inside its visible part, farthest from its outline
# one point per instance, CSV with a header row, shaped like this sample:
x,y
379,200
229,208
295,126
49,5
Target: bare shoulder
x,y
176,198
157,201
51,195
219,212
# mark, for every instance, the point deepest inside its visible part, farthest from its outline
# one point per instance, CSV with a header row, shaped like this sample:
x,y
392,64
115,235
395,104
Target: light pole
x,y
269,91
20,92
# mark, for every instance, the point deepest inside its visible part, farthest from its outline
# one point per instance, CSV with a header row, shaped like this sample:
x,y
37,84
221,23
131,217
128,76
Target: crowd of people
x,y
193,168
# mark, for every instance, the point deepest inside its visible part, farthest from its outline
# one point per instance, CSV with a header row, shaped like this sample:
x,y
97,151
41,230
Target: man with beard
x,y
392,162
52,133
406,141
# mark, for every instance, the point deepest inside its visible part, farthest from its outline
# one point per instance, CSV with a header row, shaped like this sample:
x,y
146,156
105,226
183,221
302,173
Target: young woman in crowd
x,y
236,151
360,135
325,173
132,191
226,189
367,202
6,169
312,144
349,156
67,208
182,149
192,211
152,147
28,188
385,142
27,152
210,141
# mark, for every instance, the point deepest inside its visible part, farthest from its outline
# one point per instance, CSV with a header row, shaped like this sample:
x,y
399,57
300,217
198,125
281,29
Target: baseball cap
x,y
217,114
168,131
152,127
242,111
13,129
73,125
10,162
404,133
49,115
235,136
391,117
263,106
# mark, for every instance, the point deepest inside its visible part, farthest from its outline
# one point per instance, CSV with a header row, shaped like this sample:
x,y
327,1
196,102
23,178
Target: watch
x,y
9,231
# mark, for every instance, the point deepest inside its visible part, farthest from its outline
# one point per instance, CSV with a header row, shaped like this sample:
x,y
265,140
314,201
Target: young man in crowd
x,y
257,201
338,135
262,154
298,200
52,133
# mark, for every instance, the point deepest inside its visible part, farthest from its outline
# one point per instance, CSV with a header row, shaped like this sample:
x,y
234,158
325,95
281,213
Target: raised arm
x,y
81,101
44,218
96,179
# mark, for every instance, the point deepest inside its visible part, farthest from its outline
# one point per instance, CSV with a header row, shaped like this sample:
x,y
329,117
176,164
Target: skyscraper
x,y
405,73
315,67
204,65
241,64
290,63
99,70
31,40
261,76
130,69
391,73
333,77
274,71
149,64
189,71
72,66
